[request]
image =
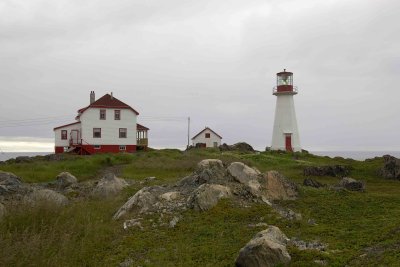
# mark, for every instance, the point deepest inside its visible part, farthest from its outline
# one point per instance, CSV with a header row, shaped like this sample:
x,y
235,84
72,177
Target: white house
x,y
105,125
207,138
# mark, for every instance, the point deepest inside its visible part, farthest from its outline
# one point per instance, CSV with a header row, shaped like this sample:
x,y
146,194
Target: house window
x,y
102,114
96,132
122,132
117,114
97,146
122,147
207,135
63,134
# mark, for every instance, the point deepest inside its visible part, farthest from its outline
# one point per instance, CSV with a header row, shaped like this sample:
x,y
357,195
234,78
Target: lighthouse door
x,y
288,143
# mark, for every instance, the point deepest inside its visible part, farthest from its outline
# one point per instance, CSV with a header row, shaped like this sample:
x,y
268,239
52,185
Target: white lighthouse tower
x,y
286,134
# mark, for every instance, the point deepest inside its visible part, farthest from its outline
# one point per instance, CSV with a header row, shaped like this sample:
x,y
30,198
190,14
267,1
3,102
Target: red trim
x,y
284,88
66,125
204,130
58,149
109,149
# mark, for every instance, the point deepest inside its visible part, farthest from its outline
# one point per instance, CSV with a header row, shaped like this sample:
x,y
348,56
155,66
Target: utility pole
x,y
188,132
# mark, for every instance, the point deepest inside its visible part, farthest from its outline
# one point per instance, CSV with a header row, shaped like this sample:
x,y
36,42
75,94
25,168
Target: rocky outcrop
x,y
23,159
207,196
312,183
45,196
109,185
241,146
279,187
9,183
210,182
267,248
391,168
352,184
333,171
65,179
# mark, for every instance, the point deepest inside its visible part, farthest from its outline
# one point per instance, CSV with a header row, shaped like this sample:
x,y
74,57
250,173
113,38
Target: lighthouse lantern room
x,y
285,134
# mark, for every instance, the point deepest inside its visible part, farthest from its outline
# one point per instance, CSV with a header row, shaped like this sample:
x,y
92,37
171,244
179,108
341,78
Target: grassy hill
x,y
361,229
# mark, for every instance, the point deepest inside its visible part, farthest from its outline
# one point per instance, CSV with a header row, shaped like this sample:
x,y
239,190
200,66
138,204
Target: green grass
x,y
83,233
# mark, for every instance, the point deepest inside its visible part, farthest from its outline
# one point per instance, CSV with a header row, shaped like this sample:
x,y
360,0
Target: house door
x,y
288,143
74,137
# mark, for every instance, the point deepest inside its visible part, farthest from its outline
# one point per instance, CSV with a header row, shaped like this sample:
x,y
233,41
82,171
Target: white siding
x,y
57,134
285,123
109,127
201,138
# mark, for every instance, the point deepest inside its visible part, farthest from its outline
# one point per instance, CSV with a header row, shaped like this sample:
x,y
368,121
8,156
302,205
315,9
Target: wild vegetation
x,y
360,229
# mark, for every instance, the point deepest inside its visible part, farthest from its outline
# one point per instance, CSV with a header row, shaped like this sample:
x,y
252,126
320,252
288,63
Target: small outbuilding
x,y
207,138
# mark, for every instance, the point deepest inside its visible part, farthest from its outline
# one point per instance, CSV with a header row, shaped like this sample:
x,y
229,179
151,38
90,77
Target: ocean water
x,y
357,155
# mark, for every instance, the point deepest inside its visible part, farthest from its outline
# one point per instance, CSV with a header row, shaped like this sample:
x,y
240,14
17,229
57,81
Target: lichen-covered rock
x,y
210,171
170,196
352,184
207,196
65,179
109,185
331,170
247,176
144,200
312,183
278,187
46,196
391,167
9,183
267,248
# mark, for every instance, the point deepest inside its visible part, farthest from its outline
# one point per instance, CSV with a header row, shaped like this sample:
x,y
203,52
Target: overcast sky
x,y
215,61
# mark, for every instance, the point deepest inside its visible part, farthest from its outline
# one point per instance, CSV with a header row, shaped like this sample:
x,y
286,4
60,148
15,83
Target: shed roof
x,y
207,128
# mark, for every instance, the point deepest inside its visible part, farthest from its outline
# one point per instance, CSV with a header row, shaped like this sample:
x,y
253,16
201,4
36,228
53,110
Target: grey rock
x,y
210,171
303,245
9,183
65,179
133,223
170,196
207,196
331,170
267,248
312,183
391,168
241,146
173,222
278,187
352,184
247,176
144,200
46,196
109,185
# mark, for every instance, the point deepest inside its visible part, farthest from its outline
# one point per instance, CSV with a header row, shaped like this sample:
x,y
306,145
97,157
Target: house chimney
x,y
112,97
92,97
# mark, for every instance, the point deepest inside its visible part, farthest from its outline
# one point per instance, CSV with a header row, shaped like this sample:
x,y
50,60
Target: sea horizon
x,y
356,155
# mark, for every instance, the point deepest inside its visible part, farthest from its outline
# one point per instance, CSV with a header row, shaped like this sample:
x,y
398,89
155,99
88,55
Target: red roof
x,y
108,101
204,130
141,127
62,126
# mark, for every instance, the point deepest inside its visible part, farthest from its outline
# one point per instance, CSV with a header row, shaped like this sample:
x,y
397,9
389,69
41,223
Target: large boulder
x,y
278,187
9,183
207,196
46,196
267,248
65,179
109,185
247,176
352,184
210,171
391,167
241,146
333,170
144,200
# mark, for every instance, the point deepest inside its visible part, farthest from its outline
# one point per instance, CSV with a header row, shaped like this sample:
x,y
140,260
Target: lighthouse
x,y
285,135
